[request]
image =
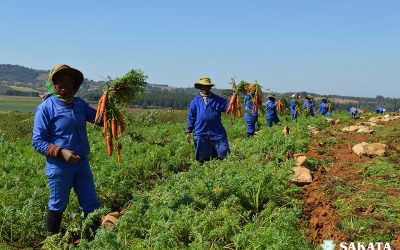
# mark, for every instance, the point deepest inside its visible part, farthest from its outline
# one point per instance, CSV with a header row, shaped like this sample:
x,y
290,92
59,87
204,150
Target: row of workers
x,y
59,133
204,118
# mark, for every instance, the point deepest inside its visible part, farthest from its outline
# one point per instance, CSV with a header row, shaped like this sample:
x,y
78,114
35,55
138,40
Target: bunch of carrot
x,y
257,94
282,105
118,93
113,122
235,105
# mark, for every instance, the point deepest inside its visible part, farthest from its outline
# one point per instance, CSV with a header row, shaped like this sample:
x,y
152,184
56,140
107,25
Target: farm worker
x,y
250,117
271,114
59,133
354,112
324,108
204,120
380,110
309,105
294,106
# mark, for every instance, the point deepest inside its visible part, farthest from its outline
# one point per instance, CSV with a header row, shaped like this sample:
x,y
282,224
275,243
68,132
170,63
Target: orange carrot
x,y
98,115
109,144
121,124
101,108
118,146
114,128
105,121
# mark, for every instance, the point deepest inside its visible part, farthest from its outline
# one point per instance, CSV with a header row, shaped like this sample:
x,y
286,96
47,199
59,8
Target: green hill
x,y
22,81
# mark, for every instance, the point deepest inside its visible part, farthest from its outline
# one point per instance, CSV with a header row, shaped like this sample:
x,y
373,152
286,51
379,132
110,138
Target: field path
x,y
345,170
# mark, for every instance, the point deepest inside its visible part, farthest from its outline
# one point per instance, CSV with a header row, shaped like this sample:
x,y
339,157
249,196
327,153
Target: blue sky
x,y
345,47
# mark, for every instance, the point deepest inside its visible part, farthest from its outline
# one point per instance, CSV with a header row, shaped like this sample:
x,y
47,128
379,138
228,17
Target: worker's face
x,y
205,89
64,84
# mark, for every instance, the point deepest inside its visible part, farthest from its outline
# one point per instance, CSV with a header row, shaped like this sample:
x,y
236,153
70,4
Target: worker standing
x,y
271,114
309,105
250,116
204,121
324,107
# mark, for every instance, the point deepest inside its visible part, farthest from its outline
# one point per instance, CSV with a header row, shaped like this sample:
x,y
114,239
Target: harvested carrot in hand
x,y
118,93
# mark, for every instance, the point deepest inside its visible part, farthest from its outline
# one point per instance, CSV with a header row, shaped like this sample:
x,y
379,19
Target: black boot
x,y
53,222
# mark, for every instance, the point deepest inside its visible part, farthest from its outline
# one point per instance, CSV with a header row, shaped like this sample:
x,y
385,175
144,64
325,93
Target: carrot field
x,y
168,200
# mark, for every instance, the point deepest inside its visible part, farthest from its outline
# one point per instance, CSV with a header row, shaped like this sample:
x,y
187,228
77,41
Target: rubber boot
x,y
53,222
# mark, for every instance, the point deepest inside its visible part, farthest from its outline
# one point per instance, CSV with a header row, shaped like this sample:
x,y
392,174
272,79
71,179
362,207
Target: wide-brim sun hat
x,y
61,69
271,96
204,81
309,97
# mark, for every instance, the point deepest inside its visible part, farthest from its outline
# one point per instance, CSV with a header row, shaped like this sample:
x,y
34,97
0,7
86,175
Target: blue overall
x,y
65,126
379,110
271,114
293,105
311,105
250,117
354,112
323,109
209,135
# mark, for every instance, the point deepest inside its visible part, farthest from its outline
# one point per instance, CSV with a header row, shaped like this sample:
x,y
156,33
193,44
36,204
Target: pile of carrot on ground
x,y
118,93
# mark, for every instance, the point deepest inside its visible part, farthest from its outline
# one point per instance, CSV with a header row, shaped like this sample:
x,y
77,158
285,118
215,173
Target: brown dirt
x,y
319,209
395,244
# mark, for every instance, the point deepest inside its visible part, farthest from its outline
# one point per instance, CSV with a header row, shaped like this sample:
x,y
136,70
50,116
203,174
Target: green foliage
x,y
121,91
380,168
170,201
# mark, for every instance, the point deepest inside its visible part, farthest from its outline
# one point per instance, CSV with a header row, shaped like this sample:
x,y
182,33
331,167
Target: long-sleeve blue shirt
x,y
311,105
63,125
379,110
248,105
354,112
271,109
323,108
205,120
293,104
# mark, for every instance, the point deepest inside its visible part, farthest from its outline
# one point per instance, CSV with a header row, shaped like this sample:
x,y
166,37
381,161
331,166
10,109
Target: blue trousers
x,y
251,121
62,177
271,120
292,114
207,149
327,114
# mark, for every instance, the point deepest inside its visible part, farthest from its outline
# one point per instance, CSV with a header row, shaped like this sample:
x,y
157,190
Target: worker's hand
x,y
188,137
70,156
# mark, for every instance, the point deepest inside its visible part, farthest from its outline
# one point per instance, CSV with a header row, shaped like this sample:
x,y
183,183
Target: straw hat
x,y
205,81
309,97
271,96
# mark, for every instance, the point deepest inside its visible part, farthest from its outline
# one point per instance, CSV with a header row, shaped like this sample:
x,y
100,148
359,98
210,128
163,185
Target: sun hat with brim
x,y
58,71
204,81
271,96
62,69
309,97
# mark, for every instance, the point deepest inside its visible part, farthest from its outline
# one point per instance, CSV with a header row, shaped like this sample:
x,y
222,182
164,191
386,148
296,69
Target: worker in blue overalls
x,y
271,114
380,110
204,121
354,112
250,116
309,105
294,106
59,133
324,107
